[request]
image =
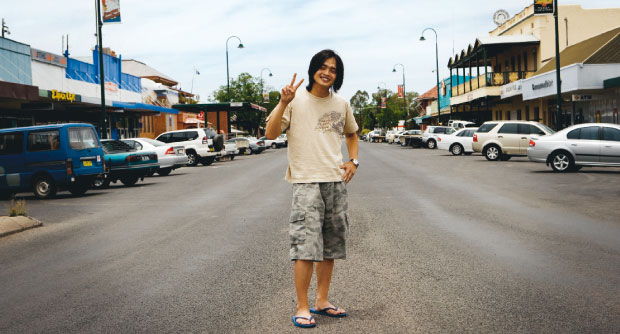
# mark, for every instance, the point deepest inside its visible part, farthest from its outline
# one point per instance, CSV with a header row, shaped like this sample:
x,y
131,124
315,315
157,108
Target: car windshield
x,y
110,146
548,129
153,142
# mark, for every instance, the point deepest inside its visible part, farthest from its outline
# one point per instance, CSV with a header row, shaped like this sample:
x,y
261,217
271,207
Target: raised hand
x,y
288,92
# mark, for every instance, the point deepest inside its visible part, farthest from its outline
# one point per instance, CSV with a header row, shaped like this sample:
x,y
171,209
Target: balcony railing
x,y
491,79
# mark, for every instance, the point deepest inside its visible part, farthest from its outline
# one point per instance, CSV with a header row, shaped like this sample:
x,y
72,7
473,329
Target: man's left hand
x,y
349,171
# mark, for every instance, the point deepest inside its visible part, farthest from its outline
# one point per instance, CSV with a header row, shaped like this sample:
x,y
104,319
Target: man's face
x,y
326,75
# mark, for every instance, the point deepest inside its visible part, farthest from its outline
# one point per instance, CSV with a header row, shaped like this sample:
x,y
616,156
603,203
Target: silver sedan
x,y
589,144
169,156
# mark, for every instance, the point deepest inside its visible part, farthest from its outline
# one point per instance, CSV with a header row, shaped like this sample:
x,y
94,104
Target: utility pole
x,y
558,79
5,28
104,128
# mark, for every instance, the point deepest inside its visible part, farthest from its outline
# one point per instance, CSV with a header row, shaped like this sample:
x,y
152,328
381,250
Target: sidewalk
x,y
10,225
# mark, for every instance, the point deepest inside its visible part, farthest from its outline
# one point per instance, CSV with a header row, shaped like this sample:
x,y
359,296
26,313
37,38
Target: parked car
x,y
588,144
389,136
256,146
47,158
126,164
201,145
461,124
169,157
230,151
273,143
500,140
243,144
283,137
411,138
429,136
458,142
377,136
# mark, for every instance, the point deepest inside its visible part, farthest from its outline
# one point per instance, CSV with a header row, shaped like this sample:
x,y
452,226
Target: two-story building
x,y
515,51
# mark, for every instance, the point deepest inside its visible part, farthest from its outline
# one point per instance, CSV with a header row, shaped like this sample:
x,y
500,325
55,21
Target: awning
x,y
143,107
418,120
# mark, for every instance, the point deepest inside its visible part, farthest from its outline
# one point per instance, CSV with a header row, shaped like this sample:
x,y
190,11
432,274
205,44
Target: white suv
x,y
500,140
201,145
429,137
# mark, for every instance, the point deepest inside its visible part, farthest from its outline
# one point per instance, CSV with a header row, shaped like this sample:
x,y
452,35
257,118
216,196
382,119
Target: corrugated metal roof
x,y
142,70
600,49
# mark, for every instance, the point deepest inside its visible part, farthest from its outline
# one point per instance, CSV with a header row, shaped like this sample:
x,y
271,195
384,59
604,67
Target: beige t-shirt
x,y
314,127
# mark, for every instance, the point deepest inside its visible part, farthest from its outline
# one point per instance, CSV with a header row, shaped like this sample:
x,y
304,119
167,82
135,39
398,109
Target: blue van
x,y
46,158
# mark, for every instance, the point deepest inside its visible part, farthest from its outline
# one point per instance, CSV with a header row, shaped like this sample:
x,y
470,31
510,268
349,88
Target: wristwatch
x,y
355,162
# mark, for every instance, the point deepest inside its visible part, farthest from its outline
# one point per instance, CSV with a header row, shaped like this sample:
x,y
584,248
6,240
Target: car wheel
x,y
207,160
492,152
456,149
431,144
274,146
562,162
403,143
164,171
505,157
101,183
129,181
44,187
78,188
249,151
192,159
218,143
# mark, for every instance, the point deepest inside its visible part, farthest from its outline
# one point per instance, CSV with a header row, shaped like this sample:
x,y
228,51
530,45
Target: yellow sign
x,y
62,96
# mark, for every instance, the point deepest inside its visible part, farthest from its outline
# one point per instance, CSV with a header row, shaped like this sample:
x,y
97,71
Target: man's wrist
x,y
355,162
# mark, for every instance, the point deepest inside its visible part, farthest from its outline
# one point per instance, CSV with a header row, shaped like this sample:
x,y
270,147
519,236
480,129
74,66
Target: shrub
x,y
17,208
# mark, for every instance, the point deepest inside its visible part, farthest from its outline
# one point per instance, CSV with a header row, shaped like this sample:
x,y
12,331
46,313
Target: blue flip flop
x,y
324,312
303,325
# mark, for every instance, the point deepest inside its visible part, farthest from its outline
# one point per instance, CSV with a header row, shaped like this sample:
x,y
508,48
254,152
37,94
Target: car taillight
x,y
69,167
532,143
170,151
205,140
475,138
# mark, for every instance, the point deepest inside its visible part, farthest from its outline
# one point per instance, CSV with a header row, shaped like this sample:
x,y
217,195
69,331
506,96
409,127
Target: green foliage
x,y
17,208
365,131
247,88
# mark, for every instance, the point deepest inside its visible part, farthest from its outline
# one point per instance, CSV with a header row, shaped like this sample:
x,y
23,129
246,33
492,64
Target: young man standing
x,y
315,119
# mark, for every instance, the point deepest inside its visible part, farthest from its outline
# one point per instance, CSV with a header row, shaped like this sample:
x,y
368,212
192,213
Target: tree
x,y
246,88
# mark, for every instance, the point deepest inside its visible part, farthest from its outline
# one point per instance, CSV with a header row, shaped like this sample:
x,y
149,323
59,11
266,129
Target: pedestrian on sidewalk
x,y
315,119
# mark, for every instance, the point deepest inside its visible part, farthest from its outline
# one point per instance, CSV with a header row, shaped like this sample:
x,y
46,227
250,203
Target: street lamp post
x,y
436,70
404,89
240,46
260,119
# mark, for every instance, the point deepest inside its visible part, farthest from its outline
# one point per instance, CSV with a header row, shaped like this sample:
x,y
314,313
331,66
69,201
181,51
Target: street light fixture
x,y
240,46
436,71
404,89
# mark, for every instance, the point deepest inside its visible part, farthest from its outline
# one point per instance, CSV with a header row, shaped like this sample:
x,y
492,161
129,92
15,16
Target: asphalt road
x,y
438,244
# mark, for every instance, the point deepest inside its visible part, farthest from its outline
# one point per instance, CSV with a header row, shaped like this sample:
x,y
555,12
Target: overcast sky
x,y
177,36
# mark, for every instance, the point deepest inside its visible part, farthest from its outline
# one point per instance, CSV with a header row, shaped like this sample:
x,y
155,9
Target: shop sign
x,y
63,96
236,104
543,7
111,11
511,89
111,87
201,116
47,57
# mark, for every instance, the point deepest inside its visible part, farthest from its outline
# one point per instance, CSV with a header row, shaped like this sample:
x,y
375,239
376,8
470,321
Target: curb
x,y
10,225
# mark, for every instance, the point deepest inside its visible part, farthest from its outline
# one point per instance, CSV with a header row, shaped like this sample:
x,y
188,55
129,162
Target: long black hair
x,y
317,61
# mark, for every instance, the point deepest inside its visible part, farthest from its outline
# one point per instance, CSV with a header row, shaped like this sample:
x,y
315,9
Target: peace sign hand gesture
x,y
288,92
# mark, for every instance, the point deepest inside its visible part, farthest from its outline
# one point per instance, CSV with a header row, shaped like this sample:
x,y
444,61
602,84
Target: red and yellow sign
x,y
401,91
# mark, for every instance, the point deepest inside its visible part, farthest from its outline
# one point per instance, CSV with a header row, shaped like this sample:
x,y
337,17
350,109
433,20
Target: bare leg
x,y
324,271
303,276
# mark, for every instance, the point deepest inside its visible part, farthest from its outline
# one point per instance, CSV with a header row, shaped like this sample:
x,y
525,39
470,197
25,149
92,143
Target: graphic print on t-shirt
x,y
331,122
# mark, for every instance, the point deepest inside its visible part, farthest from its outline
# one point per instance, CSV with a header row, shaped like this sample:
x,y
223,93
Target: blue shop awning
x,y
418,120
136,106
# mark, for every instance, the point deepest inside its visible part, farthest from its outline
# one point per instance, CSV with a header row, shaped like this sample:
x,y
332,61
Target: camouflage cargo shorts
x,y
319,221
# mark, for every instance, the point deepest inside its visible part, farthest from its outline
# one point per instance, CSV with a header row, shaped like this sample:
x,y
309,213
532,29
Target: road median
x,y
10,225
